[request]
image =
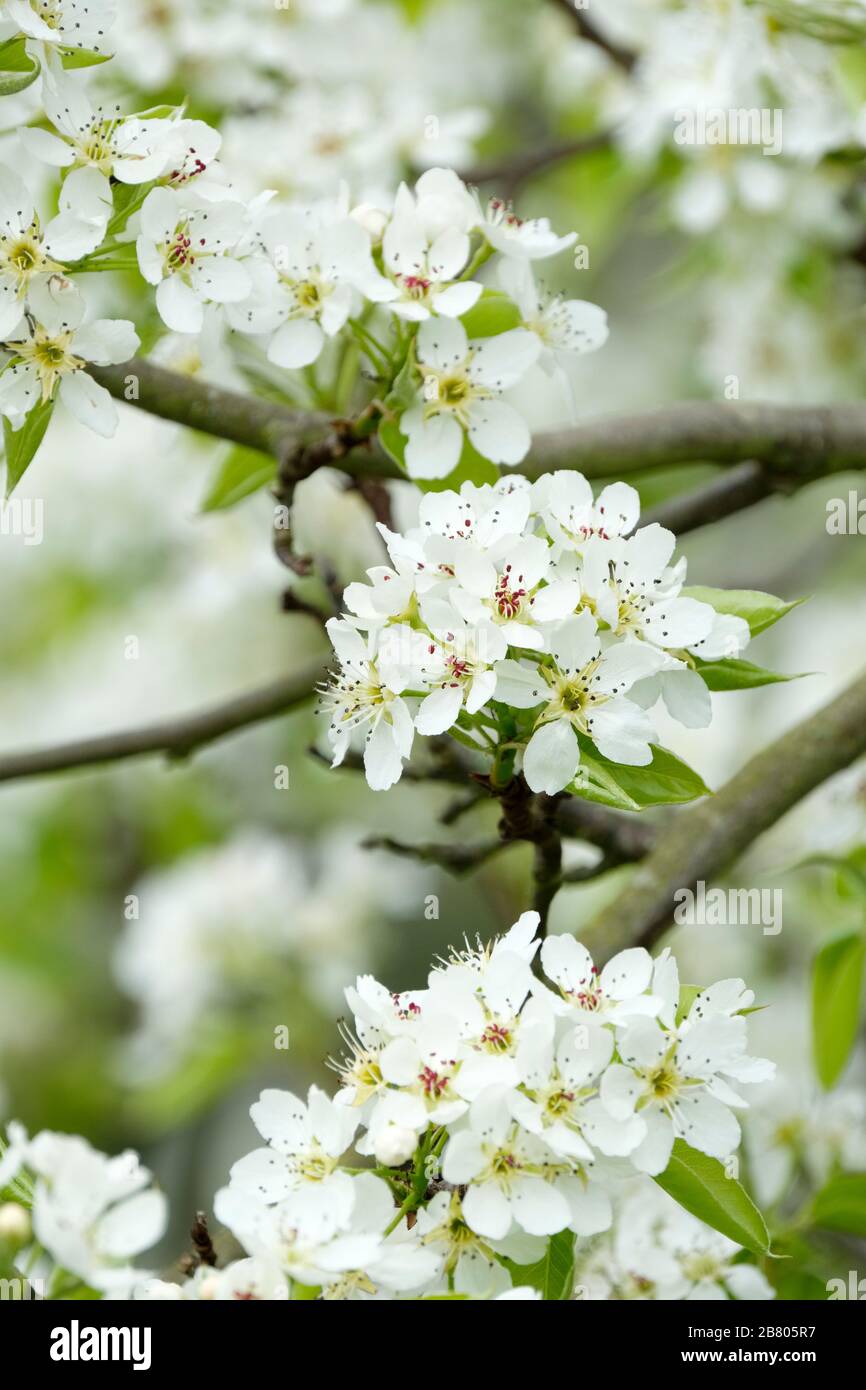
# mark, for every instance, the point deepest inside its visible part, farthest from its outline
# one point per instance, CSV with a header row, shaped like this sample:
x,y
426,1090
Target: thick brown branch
x,y
796,442
792,443
704,841
176,738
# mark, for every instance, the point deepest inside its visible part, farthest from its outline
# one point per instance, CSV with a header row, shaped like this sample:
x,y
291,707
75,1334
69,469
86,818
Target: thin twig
x,y
512,171
176,738
457,859
587,30
744,486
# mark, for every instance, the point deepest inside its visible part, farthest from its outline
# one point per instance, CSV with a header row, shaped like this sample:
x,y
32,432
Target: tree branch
x,y
176,738
457,859
743,487
792,443
515,169
623,838
704,841
301,440
795,442
587,30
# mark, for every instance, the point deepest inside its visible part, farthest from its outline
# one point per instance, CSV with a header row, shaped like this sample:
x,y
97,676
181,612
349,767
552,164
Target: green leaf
x,y
837,984
14,56
553,1274
493,313
404,391
18,70
22,444
242,472
666,781
841,1205
82,57
699,1183
759,610
734,674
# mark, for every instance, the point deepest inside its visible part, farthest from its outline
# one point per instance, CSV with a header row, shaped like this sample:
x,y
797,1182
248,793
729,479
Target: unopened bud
x,y
15,1227
373,220
209,1287
395,1145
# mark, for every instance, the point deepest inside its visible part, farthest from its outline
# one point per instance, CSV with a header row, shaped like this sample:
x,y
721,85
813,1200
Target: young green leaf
x,y
553,1274
18,70
493,313
837,985
759,610
21,445
734,674
82,57
666,781
701,1185
241,473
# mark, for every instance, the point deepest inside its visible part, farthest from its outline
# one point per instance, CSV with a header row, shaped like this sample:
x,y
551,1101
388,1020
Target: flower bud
x,y
373,220
15,1227
209,1287
395,1145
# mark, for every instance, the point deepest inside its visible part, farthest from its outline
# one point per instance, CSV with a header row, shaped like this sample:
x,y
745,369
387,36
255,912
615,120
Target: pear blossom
x,y
623,989
564,327
130,149
50,358
316,266
657,1251
582,692
187,249
571,515
460,668
305,1144
367,692
30,252
680,1085
92,1213
532,240
426,262
68,23
462,383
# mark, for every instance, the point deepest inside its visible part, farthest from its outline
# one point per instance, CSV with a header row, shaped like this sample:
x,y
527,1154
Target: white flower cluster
x,y
499,1108
148,191
90,1215
656,1251
537,597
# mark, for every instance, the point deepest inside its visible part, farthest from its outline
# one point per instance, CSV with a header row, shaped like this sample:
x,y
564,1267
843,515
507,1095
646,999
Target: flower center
x,y
52,358
509,594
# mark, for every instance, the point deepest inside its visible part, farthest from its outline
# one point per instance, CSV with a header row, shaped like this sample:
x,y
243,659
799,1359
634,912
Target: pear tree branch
x,y
702,842
174,738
